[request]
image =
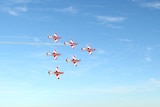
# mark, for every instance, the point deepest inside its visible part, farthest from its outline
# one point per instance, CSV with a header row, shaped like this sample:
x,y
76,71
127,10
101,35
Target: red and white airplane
x,y
55,37
71,43
56,72
54,54
89,49
74,60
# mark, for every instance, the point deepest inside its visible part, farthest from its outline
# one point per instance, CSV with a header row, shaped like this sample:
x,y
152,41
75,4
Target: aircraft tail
x,y
66,43
49,72
83,49
49,37
67,60
47,53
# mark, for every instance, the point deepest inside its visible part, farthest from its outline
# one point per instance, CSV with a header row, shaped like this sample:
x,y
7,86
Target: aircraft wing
x,y
90,52
55,57
74,57
56,40
89,47
55,34
58,76
54,51
72,46
57,69
75,63
61,72
71,41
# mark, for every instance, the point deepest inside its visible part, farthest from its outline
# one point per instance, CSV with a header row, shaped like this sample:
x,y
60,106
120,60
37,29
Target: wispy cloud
x,y
70,9
14,10
36,39
101,51
107,19
154,4
154,82
21,1
129,42
125,40
12,2
147,56
30,43
110,21
14,7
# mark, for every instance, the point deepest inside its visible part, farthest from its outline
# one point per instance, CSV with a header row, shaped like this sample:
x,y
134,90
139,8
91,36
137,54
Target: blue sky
x,y
122,72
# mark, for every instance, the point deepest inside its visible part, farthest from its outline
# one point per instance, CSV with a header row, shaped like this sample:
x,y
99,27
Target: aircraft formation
x,y
73,60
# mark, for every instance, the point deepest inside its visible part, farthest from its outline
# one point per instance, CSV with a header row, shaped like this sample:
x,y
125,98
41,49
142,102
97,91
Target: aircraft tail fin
x,y
67,60
83,49
49,72
49,37
47,53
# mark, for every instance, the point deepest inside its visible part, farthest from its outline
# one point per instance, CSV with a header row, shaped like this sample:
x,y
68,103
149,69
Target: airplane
x,y
54,54
71,43
89,49
57,73
55,37
74,60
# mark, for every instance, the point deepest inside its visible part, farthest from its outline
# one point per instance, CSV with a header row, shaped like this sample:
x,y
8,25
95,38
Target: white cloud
x,y
10,11
110,21
15,7
12,2
36,39
32,43
15,11
154,82
100,51
20,1
154,4
136,0
125,40
21,9
70,9
129,43
147,56
107,19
